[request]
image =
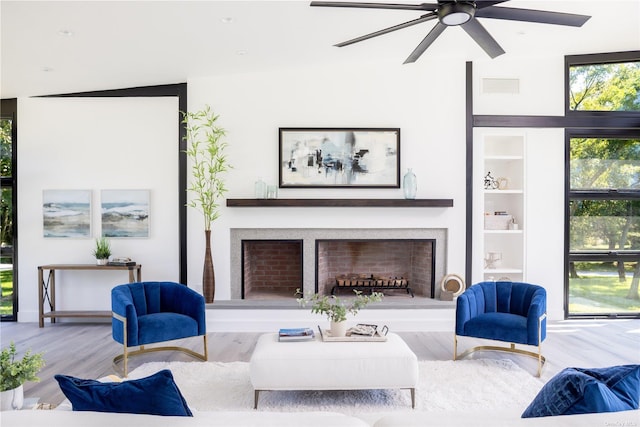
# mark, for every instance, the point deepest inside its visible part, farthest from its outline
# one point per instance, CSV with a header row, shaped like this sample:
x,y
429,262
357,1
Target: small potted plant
x,y
336,309
102,251
14,373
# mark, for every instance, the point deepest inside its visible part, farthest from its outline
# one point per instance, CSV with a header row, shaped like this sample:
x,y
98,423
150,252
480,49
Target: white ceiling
x,y
71,46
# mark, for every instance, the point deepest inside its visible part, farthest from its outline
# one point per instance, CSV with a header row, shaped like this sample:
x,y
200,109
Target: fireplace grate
x,y
371,283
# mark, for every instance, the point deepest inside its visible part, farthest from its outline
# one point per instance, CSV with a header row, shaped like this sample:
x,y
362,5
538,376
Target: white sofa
x,y
507,418
35,418
409,418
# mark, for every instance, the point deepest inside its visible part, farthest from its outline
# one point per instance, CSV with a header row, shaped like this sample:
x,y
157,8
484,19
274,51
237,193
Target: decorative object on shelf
x,y
14,373
125,213
499,221
66,213
492,260
409,185
260,189
339,157
503,183
490,182
451,286
205,149
272,192
513,225
102,251
336,308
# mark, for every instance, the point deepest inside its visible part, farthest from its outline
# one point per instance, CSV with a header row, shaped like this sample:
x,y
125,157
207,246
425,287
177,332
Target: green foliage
x,y
205,148
603,164
336,309
102,249
605,87
6,301
15,372
6,148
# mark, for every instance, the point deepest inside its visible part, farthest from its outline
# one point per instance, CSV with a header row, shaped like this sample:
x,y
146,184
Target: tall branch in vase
x,y
205,150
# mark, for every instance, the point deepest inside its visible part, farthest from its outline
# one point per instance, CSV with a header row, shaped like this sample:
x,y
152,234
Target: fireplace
x,y
271,269
271,263
392,266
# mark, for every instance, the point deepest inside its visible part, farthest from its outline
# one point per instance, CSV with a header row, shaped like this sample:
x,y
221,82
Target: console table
x,y
47,289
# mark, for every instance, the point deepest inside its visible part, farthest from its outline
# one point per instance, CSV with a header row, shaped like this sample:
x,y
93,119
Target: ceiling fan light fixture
x,y
452,14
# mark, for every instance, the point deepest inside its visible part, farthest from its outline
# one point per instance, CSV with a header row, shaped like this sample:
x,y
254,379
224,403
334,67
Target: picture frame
x,y
125,213
339,157
66,214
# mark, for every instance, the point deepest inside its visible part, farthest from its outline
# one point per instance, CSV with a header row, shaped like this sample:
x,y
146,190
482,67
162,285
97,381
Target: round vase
x,y
338,329
12,399
102,261
409,185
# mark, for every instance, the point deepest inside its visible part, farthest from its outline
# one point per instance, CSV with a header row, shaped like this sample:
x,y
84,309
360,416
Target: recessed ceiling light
x,y
65,33
47,69
227,20
241,52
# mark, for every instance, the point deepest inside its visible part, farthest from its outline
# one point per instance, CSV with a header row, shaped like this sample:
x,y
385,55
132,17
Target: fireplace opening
x,y
392,266
271,269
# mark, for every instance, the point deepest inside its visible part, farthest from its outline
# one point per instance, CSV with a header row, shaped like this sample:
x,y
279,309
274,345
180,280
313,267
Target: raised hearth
x,y
423,249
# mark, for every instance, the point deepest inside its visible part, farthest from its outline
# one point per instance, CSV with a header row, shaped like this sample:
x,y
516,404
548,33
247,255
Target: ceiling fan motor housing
x,y
456,13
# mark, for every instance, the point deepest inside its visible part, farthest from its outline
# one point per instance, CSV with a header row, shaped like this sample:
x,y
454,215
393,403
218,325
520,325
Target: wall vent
x,y
509,86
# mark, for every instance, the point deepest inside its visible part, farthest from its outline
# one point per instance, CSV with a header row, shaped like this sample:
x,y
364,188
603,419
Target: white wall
x,y
95,144
426,102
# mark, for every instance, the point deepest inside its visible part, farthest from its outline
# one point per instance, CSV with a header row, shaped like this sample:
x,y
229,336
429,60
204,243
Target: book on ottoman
x,y
296,334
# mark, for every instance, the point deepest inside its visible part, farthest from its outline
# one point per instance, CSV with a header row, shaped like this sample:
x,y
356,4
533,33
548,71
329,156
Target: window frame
x,y
9,110
597,59
601,194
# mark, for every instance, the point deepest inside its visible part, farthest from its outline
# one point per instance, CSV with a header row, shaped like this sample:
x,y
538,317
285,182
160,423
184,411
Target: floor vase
x,y
208,274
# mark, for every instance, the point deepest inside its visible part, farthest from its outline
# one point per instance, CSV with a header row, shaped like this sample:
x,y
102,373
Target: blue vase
x,y
409,185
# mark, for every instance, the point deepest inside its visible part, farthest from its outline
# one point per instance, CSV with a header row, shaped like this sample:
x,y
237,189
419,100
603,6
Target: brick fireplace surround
x,y
306,241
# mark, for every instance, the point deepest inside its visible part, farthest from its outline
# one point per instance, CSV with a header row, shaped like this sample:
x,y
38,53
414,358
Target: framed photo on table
x,y
339,157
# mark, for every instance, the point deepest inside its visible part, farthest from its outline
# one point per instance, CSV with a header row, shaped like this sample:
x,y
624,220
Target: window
x,y
603,186
605,87
8,297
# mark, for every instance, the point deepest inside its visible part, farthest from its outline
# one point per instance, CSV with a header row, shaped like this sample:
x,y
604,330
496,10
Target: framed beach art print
x,y
339,157
125,213
66,214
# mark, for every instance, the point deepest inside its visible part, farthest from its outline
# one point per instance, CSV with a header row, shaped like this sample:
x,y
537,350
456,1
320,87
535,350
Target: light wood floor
x,y
86,350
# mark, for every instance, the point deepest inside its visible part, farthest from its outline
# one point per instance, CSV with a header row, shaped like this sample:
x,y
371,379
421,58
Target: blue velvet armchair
x,y
154,312
513,312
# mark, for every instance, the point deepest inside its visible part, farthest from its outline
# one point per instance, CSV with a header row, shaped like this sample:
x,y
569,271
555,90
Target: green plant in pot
x,y
102,251
14,373
205,150
336,309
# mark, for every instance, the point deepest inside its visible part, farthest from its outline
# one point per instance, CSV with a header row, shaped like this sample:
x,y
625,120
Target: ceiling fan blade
x,y
425,43
483,38
423,6
481,4
530,15
423,18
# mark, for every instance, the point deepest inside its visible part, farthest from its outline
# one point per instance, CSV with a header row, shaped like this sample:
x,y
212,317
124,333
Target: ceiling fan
x,y
450,13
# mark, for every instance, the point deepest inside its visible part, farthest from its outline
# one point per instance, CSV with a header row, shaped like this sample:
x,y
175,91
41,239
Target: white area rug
x,y
464,385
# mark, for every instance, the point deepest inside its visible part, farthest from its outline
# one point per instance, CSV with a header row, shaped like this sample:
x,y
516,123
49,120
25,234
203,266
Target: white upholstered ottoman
x,y
319,365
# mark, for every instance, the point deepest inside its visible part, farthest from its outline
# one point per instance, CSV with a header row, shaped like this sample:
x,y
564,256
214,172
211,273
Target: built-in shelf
x,y
365,203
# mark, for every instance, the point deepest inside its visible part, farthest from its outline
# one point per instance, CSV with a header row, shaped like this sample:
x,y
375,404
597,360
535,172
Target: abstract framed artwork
x,y
339,157
125,213
66,214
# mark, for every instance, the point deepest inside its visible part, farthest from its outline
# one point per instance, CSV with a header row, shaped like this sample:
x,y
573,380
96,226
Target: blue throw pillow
x,y
157,394
582,391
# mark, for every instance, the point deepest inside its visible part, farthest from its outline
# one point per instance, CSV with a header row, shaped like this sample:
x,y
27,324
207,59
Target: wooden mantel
x,y
348,203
